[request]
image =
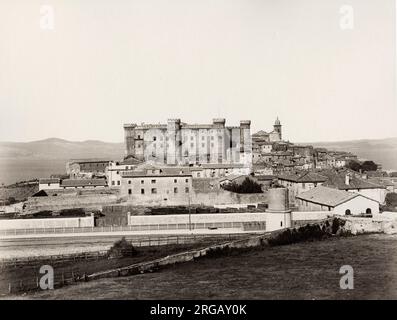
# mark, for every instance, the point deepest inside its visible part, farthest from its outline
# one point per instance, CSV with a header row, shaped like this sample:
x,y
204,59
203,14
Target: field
x,y
23,277
300,271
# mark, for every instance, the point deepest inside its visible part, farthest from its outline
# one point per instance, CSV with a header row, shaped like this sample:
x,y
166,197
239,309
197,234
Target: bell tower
x,y
277,127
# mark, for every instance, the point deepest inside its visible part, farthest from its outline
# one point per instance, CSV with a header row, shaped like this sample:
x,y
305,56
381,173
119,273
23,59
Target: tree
x,y
354,165
247,186
369,166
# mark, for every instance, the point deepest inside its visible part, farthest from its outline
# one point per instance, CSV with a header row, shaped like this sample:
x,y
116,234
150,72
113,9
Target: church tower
x,y
277,127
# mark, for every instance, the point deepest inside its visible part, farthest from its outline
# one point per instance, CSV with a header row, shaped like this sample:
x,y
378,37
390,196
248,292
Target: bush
x,y
121,249
391,199
247,186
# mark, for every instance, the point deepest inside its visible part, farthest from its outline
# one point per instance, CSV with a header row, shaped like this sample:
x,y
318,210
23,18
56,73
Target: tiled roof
x,y
260,133
232,177
51,180
131,161
222,165
337,180
304,177
83,182
160,172
89,160
327,196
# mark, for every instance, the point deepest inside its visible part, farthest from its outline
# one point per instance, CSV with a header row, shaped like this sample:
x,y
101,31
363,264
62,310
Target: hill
x,y
28,160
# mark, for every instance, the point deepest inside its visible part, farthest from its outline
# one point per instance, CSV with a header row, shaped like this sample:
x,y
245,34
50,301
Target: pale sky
x,y
106,63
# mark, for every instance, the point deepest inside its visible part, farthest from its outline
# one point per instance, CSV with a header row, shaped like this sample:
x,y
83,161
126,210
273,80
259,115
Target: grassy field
x,y
300,271
23,278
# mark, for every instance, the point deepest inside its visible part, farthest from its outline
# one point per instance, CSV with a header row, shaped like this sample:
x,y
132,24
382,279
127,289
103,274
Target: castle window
x,y
142,191
203,145
154,190
186,180
129,191
175,180
153,181
154,138
129,181
175,190
187,190
142,181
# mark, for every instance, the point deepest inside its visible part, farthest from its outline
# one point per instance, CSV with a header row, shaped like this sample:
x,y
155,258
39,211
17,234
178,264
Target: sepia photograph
x,y
198,152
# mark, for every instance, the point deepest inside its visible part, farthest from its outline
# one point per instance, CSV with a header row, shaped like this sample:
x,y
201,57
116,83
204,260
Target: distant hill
x,y
383,151
55,148
28,160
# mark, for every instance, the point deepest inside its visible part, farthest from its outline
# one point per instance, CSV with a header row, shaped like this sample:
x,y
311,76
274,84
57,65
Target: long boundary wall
x,y
47,223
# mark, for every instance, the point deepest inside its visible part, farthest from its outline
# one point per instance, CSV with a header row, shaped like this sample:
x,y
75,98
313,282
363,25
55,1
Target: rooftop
x,y
327,196
83,182
304,177
338,180
50,180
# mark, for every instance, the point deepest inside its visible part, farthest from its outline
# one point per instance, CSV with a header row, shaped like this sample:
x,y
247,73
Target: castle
x,y
179,143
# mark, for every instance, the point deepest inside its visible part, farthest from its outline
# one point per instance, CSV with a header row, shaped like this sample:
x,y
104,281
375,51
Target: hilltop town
x,y
183,187
180,164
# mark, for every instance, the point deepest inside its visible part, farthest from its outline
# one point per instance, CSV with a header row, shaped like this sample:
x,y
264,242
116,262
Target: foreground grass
x,y
299,271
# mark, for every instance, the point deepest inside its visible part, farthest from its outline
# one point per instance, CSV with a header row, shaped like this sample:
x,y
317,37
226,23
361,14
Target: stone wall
x,y
96,201
47,223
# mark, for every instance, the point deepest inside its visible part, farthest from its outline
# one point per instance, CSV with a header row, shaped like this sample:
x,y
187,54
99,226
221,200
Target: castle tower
x,y
277,127
245,143
174,135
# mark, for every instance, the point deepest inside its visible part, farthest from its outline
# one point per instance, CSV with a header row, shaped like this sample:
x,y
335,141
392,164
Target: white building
x,y
115,168
339,202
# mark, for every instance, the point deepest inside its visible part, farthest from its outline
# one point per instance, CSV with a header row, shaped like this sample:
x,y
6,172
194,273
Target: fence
x,y
138,242
146,227
73,275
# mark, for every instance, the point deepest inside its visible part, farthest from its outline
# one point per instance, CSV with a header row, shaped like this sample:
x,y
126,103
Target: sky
x,y
101,63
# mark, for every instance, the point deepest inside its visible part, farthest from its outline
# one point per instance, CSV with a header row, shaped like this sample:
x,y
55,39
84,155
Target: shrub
x,y
247,186
121,249
391,199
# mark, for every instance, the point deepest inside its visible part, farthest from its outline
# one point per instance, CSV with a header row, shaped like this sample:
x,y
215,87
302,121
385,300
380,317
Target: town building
x,y
219,170
115,168
49,184
297,183
62,184
86,168
153,184
344,180
338,201
263,138
179,143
